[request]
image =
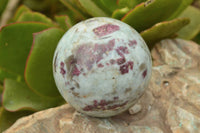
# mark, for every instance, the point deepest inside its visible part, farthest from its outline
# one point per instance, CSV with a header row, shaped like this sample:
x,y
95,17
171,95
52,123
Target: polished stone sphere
x,y
102,66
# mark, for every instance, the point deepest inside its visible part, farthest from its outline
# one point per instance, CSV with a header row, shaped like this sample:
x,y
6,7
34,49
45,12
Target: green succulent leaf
x,y
1,91
111,5
70,5
3,4
8,118
38,72
197,39
151,12
64,22
191,30
78,5
22,9
18,96
6,74
92,9
102,7
15,44
184,4
1,88
35,17
163,30
39,5
119,13
129,3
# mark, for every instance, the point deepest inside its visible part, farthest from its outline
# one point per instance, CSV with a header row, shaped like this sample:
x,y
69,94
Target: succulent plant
x,y
148,17
3,4
28,41
26,52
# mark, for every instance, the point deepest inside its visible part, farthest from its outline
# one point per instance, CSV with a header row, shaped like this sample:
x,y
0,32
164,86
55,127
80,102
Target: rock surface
x,y
170,105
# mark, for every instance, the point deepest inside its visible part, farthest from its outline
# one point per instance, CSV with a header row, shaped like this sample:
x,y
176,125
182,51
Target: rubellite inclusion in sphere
x,y
101,66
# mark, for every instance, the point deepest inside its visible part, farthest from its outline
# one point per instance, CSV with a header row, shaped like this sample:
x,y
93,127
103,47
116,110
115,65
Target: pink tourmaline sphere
x,y
102,66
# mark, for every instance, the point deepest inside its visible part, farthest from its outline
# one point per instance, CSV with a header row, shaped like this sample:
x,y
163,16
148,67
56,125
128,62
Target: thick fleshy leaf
x,y
92,8
22,9
78,5
197,38
8,118
35,17
73,7
129,3
38,5
1,91
151,12
6,74
110,4
3,4
17,96
190,31
64,22
163,30
15,44
1,87
184,4
38,72
119,13
102,6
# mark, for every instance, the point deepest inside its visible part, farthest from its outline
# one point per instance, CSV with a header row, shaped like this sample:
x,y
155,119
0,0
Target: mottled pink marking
x,y
73,67
95,103
89,63
114,106
112,61
130,63
121,61
62,70
125,68
105,29
111,45
132,43
99,58
87,55
62,64
144,74
103,108
100,65
119,52
88,108
123,49
103,105
99,48
76,71
67,83
117,105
